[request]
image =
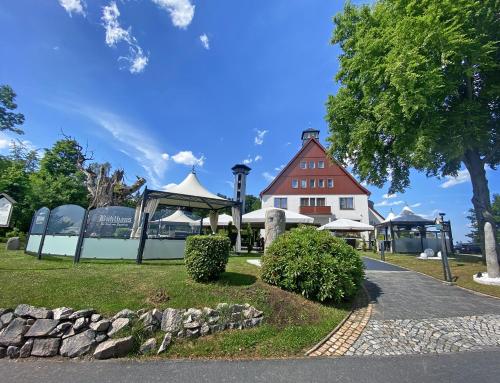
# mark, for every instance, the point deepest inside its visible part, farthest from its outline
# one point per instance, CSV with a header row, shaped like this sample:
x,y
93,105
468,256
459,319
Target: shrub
x,y
206,256
313,263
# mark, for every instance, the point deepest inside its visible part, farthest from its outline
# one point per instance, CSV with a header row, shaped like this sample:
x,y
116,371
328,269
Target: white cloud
x,y
389,196
258,157
115,34
364,183
4,143
259,138
186,157
204,41
388,203
7,142
416,204
74,6
462,177
168,186
181,11
268,176
278,169
247,161
165,156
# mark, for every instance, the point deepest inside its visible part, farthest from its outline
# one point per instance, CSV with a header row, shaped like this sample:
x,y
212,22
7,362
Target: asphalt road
x,y
460,367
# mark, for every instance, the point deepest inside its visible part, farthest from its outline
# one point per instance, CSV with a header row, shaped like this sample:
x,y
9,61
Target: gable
x,y
344,183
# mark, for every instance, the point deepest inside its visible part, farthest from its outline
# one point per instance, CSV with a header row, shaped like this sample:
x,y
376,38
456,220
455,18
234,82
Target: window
x,y
346,203
303,184
303,164
304,202
321,183
320,202
312,202
330,183
280,203
312,164
321,164
295,184
312,183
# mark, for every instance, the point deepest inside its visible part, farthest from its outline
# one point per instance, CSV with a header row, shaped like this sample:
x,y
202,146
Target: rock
x,y
190,324
101,337
171,320
150,320
192,333
217,328
30,321
70,332
4,311
213,320
221,307
13,352
140,312
117,325
25,351
207,311
275,222
236,308
78,344
252,312
95,318
125,313
148,346
32,311
204,330
157,314
42,327
6,318
194,313
85,313
100,326
3,352
13,334
62,313
80,323
165,343
45,347
114,348
13,243
64,326
256,321
491,251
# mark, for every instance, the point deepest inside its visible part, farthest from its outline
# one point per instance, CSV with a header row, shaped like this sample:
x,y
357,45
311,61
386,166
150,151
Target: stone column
x,y
491,251
274,225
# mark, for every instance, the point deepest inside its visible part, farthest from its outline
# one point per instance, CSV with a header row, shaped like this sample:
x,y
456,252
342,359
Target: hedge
x,y
206,256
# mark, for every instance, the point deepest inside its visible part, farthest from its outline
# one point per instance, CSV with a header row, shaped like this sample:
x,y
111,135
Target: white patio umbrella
x,y
259,216
223,220
344,224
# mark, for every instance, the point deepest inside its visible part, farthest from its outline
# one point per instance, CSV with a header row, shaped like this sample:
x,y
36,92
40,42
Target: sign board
x,y
6,207
110,222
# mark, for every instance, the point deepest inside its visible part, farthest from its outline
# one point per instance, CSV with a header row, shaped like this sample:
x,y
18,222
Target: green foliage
x,y
313,263
474,235
9,120
252,203
206,256
419,87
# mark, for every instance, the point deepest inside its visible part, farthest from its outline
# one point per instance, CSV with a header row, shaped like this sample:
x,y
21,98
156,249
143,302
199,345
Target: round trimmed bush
x,y
206,256
313,263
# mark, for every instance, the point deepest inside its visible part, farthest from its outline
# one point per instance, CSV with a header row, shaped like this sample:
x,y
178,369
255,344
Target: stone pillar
x,y
491,251
274,225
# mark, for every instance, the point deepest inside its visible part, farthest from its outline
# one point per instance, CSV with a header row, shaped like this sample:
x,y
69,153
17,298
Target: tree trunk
x,y
480,193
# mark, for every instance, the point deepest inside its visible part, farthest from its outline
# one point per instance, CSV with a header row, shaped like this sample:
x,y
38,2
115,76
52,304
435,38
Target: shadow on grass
x,y
230,278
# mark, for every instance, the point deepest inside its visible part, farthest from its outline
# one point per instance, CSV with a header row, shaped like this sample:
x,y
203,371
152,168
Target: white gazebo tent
x,y
258,217
223,220
344,224
178,217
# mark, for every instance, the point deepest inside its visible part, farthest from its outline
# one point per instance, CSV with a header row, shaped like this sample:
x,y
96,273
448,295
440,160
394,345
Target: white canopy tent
x,y
178,217
344,224
223,220
259,217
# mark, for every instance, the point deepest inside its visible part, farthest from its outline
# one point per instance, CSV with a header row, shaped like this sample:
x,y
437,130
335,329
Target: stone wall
x,y
40,332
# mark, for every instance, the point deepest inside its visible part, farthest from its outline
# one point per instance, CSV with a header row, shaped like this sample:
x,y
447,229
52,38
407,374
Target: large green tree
x,y
9,120
419,88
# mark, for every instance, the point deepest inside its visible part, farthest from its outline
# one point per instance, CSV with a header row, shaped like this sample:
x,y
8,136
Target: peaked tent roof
x,y
178,217
407,217
344,224
223,220
190,193
314,140
259,216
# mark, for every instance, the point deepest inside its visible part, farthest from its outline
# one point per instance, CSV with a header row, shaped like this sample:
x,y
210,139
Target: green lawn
x,y
293,324
463,267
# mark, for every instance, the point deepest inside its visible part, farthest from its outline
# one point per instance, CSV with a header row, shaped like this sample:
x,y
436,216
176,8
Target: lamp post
x,y
444,256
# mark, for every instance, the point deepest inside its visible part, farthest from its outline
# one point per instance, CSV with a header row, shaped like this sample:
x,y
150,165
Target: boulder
x,y
42,327
6,319
167,339
125,313
13,334
13,244
114,348
252,312
117,325
171,320
85,313
13,352
148,346
62,313
45,347
4,311
275,222
190,323
101,337
70,332
80,323
95,318
78,344
33,312
3,352
64,326
100,326
25,351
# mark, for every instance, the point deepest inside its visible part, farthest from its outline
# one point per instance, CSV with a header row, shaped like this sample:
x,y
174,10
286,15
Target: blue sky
x,y
155,86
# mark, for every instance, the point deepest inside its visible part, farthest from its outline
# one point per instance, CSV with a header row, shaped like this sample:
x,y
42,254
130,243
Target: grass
x,y
292,324
463,267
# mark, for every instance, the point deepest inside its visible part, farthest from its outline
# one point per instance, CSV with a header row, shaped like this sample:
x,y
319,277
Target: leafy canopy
x,y
9,120
419,87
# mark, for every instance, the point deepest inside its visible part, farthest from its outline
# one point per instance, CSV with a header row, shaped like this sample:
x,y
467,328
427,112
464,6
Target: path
x,y
416,314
